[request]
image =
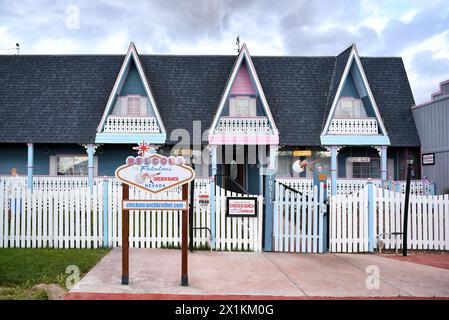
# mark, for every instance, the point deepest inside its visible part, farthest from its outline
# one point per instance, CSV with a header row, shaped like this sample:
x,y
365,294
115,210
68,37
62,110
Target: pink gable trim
x,y
242,83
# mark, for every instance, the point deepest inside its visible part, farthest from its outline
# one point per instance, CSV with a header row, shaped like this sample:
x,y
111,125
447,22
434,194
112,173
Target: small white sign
x,y
428,159
154,205
241,206
203,200
359,159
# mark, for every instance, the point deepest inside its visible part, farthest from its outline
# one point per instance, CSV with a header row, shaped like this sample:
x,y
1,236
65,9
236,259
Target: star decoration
x,y
143,148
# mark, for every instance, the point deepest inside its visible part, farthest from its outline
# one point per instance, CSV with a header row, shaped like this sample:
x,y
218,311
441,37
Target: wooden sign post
x,y
125,238
154,174
184,236
185,223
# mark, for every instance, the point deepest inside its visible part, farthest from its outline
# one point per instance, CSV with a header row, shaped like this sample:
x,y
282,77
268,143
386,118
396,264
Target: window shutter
x,y
52,167
96,166
123,106
252,107
356,108
232,107
144,106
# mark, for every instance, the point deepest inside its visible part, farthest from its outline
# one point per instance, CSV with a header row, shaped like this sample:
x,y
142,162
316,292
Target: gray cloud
x,y
319,27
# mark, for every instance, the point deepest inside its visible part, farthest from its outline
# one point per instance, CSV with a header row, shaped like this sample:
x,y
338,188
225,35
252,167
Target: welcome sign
x,y
155,173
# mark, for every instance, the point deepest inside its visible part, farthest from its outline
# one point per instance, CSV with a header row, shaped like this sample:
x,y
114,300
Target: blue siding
x,y
253,179
110,157
133,84
368,107
349,88
16,156
13,156
41,160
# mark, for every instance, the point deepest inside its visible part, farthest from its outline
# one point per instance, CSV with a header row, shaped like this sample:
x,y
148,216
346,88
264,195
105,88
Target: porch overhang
x,y
252,139
355,140
130,138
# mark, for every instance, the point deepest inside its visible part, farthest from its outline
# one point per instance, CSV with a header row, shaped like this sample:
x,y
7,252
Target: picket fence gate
x,y
428,221
298,219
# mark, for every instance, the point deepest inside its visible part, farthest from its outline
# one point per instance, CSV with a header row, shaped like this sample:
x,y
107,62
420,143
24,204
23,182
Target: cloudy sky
x,y
417,30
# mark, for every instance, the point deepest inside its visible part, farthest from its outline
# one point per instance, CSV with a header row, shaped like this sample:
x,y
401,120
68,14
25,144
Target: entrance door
x,y
243,170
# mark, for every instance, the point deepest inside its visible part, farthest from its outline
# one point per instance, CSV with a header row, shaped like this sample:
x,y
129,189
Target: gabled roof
x,y
61,98
337,74
352,59
131,56
244,56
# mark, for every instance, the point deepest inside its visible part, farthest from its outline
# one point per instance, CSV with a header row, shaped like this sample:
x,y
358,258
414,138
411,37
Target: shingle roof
x,y
60,99
337,74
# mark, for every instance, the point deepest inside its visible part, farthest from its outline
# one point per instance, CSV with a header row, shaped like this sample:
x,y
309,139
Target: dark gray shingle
x,y
60,99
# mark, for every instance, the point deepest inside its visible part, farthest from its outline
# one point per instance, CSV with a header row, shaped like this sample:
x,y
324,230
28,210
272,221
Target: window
x,y
71,165
133,106
242,107
365,170
349,107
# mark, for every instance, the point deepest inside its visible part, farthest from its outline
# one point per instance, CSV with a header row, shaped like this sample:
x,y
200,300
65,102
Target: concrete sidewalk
x,y
288,275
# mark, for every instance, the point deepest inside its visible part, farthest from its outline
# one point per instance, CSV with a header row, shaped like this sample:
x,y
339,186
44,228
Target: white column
x,y
272,166
90,166
334,153
383,163
30,165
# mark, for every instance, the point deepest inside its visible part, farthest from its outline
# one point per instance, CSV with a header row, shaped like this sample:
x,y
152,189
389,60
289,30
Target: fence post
x,y
269,198
323,214
213,154
432,188
370,216
105,211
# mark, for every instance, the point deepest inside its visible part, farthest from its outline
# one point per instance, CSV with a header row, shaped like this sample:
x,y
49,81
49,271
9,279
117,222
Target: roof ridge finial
x,y
237,42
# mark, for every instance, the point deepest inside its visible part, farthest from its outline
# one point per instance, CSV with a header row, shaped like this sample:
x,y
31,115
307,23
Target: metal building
x,y
432,122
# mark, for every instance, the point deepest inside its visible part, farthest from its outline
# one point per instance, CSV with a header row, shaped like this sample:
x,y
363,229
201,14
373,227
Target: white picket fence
x,y
64,219
298,220
63,214
348,186
428,221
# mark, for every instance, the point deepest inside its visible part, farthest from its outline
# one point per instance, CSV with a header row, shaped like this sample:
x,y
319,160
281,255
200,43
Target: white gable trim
x,y
354,56
131,53
244,54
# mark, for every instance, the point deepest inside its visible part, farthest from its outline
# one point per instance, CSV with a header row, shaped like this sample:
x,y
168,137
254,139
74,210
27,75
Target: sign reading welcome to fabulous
x,y
154,173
